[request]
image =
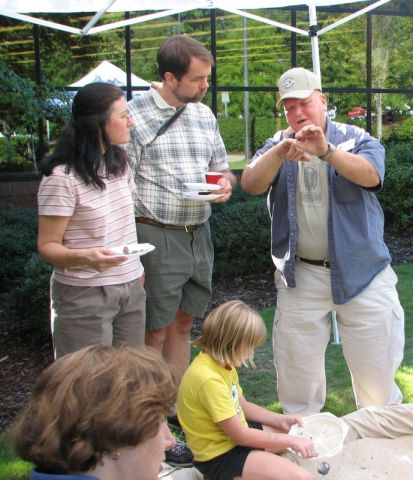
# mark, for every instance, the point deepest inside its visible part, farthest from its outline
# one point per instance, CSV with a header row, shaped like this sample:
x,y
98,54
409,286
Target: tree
x,y
384,41
23,104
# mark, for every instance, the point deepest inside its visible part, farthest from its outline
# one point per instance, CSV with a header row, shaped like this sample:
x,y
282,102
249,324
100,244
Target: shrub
x,y
240,232
396,198
400,153
402,132
264,128
23,275
20,153
28,304
233,134
18,230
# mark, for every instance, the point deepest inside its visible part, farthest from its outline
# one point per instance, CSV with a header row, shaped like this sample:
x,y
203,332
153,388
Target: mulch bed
x,y
22,359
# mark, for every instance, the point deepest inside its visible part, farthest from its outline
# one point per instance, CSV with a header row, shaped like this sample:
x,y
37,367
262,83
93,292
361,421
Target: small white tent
x,y
109,73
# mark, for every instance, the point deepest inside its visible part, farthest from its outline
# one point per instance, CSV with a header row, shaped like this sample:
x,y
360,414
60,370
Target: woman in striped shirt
x,y
86,208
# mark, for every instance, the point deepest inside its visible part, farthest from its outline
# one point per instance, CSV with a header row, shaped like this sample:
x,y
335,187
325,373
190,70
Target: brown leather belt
x,y
319,263
151,221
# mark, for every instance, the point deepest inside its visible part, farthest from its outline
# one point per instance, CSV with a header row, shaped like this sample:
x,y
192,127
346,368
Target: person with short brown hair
x,y
176,53
176,141
100,412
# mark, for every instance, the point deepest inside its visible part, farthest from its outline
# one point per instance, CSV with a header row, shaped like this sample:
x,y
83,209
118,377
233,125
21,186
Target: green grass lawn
x,y
259,384
12,468
238,164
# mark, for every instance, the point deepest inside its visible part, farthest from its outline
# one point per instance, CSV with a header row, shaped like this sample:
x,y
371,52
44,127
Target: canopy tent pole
x,y
38,21
313,33
262,19
96,17
353,15
103,28
142,19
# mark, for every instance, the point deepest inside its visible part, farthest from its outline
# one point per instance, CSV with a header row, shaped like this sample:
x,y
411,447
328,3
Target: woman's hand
x,y
102,259
50,247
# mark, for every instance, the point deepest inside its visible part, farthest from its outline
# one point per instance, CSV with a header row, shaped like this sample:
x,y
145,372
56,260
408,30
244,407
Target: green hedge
x,y
403,132
18,230
23,275
232,132
396,197
240,232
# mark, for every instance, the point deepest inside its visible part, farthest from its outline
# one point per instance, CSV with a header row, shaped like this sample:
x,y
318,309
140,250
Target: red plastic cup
x,y
213,177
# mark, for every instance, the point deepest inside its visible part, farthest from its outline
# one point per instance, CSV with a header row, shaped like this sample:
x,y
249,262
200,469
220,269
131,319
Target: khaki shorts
x,y
178,273
108,315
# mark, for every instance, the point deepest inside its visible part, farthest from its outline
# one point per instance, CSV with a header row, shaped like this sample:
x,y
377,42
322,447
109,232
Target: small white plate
x,y
133,249
194,187
325,430
201,198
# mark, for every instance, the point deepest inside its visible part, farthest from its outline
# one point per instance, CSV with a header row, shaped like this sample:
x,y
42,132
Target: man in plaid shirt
x,y
176,140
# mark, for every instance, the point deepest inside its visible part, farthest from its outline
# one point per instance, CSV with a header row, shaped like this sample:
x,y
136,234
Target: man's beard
x,y
186,99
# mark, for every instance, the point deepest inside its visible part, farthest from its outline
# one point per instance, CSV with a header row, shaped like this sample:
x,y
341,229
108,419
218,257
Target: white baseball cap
x,y
297,83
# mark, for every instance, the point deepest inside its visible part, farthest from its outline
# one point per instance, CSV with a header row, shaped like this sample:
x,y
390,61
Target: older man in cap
x,y
329,252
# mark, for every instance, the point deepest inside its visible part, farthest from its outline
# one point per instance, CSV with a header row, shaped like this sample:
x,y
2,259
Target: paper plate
x,y
197,187
133,249
200,197
325,430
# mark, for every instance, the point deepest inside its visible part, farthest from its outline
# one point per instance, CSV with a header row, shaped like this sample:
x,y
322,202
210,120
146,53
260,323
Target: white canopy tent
x,y
20,9
109,73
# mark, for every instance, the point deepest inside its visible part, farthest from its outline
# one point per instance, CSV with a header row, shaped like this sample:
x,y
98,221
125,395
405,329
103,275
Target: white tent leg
x,y
336,335
312,12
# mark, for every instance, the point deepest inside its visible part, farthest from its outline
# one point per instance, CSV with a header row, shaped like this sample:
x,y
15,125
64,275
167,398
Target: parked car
x,y
357,112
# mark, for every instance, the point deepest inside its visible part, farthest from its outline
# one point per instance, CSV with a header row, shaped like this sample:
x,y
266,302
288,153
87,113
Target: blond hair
x,y
231,332
90,403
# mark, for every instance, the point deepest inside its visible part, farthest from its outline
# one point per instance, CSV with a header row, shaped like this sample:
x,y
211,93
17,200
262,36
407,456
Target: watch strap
x,y
330,150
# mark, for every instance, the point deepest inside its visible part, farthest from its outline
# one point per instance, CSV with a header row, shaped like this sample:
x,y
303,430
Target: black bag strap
x,y
169,122
135,137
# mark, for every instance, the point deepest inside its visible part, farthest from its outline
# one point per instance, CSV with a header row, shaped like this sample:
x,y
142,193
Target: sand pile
x,y
369,459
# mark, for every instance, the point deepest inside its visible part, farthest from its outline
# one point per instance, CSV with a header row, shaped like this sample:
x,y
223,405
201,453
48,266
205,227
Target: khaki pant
x,y
108,315
380,422
371,328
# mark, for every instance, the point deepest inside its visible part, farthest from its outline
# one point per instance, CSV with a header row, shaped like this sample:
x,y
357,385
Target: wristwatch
x,y
330,150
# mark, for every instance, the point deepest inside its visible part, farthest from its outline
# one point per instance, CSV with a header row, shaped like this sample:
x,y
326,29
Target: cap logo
x,y
288,82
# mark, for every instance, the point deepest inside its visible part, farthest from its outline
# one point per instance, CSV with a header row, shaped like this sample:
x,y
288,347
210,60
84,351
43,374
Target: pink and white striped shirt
x,y
98,218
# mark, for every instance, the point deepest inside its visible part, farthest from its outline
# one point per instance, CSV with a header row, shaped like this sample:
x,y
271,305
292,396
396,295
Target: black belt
x,y
151,221
319,263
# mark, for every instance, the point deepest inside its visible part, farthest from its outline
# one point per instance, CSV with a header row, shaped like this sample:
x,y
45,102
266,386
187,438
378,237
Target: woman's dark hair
x,y
176,52
84,143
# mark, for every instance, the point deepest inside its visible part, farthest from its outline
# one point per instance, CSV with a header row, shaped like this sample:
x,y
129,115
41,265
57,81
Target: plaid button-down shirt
x,y
161,165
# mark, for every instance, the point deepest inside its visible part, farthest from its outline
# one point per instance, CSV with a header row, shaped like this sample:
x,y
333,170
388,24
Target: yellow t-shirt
x,y
208,394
